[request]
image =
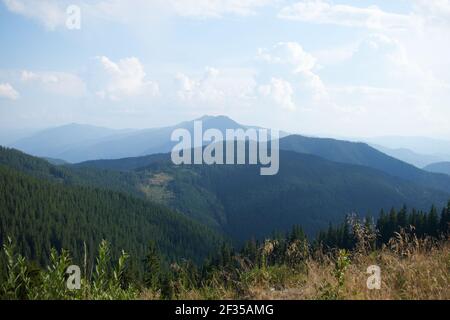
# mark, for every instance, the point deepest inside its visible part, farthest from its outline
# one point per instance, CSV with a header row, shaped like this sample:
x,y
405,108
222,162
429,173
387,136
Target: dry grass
x,y
155,188
411,269
421,274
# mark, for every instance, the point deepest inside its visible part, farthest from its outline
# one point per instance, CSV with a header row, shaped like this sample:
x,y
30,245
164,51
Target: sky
x,y
338,68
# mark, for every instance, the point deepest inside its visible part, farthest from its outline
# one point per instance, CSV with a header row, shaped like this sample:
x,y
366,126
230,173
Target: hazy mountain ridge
x,y
420,145
359,153
43,214
417,159
348,176
58,142
78,143
440,167
308,190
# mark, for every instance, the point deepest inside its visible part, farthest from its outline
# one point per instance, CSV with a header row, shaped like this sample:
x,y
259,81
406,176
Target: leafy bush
x,y
51,284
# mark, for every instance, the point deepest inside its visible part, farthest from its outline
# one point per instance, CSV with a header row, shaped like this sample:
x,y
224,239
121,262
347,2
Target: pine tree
x,y
382,227
444,224
167,290
297,233
226,255
152,267
393,222
402,218
347,238
432,222
250,251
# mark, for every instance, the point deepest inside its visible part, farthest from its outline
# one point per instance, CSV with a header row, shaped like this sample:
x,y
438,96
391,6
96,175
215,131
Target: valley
x,y
320,182
189,213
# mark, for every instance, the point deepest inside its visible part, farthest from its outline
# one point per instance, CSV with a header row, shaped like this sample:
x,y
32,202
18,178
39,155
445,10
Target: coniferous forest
x,y
212,157
41,215
129,247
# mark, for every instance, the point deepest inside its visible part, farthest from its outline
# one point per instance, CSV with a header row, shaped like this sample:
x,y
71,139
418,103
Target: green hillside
x,y
308,190
439,167
40,214
364,155
69,175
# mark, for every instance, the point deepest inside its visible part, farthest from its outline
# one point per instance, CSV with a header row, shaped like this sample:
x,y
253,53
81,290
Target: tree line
x,y
40,215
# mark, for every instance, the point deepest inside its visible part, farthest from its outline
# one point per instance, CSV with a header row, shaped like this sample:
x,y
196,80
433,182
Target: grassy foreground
x,y
421,274
415,270
411,268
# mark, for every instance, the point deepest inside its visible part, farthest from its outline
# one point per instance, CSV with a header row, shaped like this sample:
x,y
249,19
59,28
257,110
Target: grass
x,y
411,268
155,188
419,276
417,270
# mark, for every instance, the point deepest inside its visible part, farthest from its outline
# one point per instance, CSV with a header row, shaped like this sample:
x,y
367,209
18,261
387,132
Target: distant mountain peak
x,y
73,126
439,167
207,117
219,122
204,117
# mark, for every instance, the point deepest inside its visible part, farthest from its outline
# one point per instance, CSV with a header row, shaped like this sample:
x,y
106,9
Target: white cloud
x,y
126,78
60,83
216,88
377,43
51,14
325,12
204,89
393,64
366,90
120,10
435,11
280,92
397,63
290,53
7,91
336,54
389,79
292,56
217,8
313,82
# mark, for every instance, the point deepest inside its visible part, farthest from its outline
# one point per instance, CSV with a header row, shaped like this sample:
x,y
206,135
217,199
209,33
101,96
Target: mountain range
x,y
43,206
417,159
320,180
439,167
235,200
421,145
76,143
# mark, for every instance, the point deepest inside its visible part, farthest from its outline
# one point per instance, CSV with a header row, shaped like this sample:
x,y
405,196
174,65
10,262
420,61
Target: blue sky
x,y
340,68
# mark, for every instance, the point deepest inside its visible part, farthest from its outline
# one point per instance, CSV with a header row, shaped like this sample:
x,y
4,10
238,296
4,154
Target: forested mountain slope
x,y
364,155
59,142
439,167
69,175
40,214
308,190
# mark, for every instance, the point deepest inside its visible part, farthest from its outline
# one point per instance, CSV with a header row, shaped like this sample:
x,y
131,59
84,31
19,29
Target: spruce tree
x,y
432,222
402,218
152,267
444,224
